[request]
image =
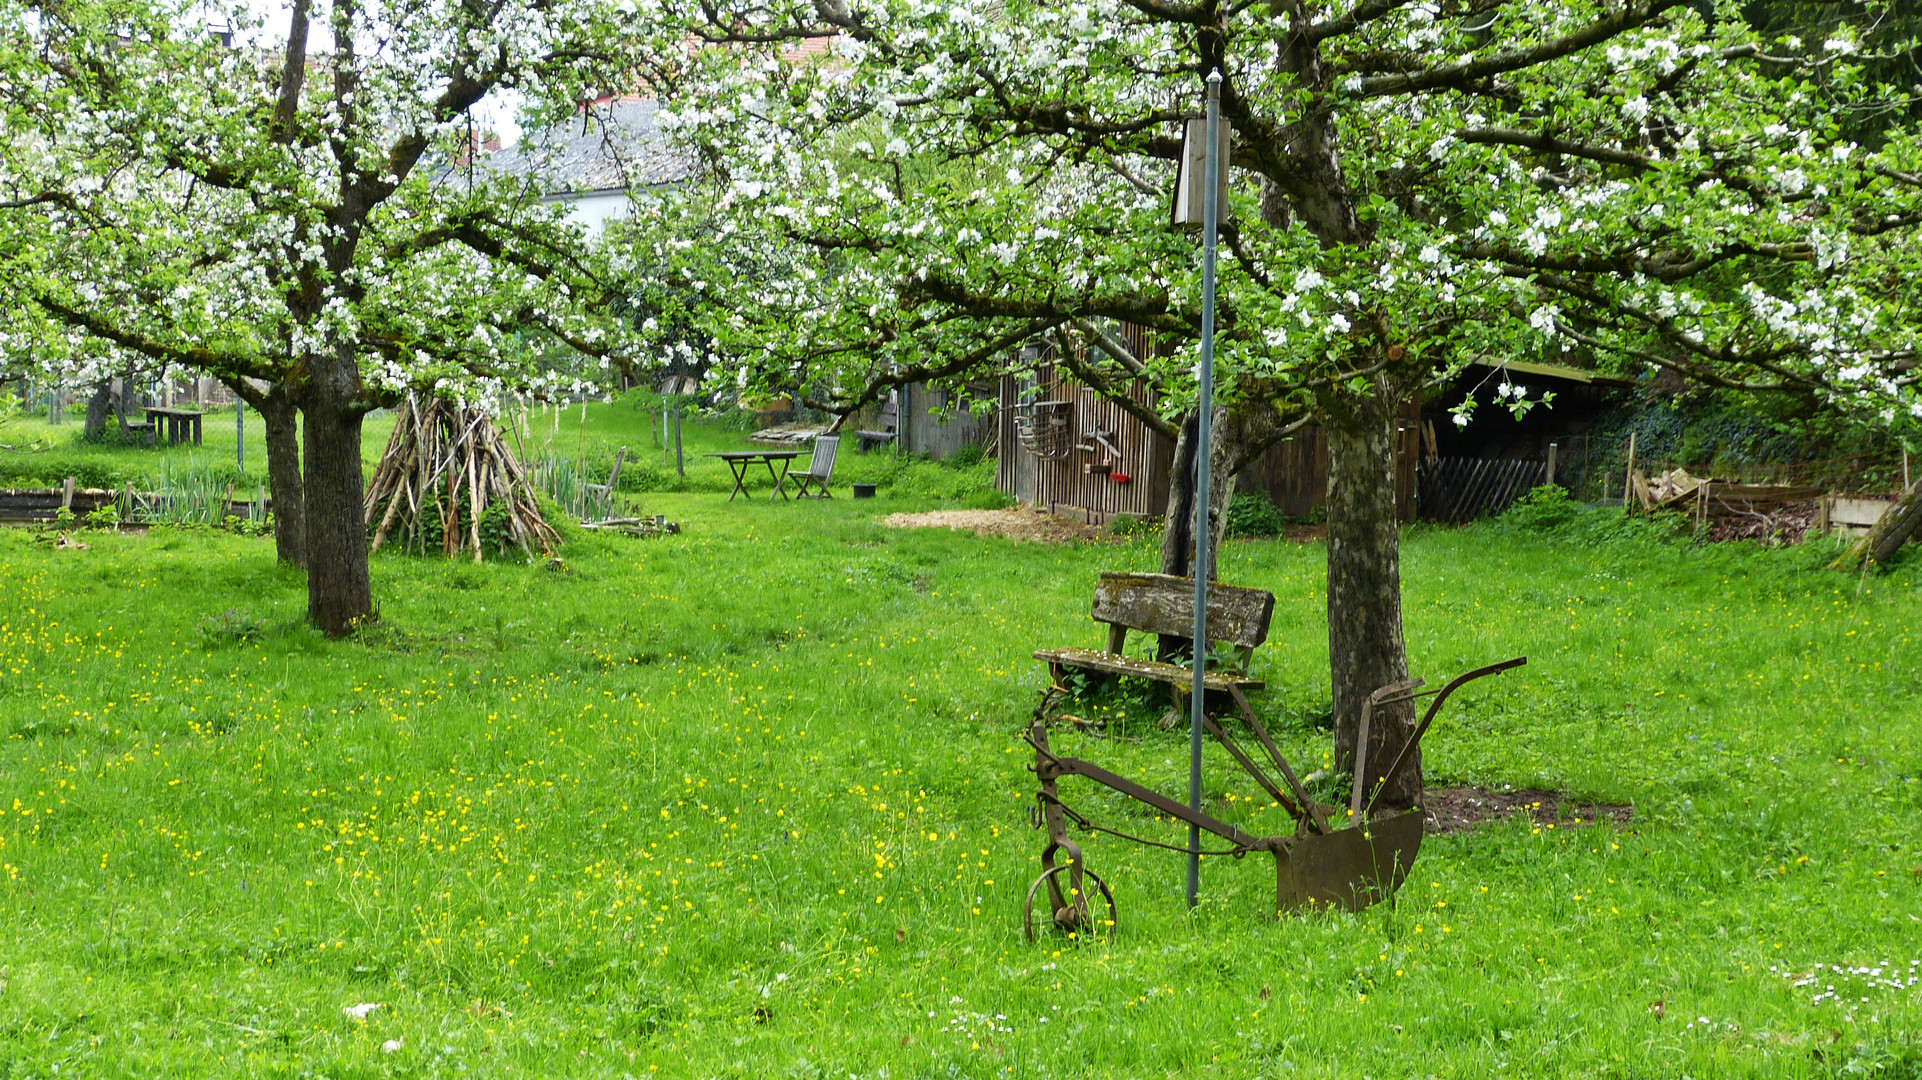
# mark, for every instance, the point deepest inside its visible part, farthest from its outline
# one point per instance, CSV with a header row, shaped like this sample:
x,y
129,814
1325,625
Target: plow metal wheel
x,y
1068,912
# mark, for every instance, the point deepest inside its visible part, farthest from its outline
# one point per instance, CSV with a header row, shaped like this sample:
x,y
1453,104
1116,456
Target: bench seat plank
x,y
1111,664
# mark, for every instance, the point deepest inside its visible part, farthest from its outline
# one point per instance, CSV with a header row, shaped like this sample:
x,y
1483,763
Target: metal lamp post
x,y
1212,172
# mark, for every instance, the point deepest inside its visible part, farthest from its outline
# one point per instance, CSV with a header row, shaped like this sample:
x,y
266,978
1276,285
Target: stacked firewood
x,y
448,482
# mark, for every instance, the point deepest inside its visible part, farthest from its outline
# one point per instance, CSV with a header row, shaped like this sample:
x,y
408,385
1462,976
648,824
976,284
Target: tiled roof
x,y
610,148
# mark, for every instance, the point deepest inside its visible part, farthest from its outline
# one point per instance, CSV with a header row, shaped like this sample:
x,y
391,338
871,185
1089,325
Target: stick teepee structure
x,y
448,482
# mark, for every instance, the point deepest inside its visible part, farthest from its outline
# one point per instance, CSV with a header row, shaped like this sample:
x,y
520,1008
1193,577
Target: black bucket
x,y
864,491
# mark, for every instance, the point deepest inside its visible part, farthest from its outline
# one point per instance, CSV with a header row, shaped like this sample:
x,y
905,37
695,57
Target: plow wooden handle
x,y
1429,717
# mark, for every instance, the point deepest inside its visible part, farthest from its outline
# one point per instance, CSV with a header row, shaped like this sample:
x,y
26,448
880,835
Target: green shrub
x,y
641,476
1131,525
987,500
1251,514
970,455
1544,509
249,526
1550,512
52,470
565,526
496,530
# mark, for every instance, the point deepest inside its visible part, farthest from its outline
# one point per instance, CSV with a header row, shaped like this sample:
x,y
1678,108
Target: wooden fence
x,y
1458,490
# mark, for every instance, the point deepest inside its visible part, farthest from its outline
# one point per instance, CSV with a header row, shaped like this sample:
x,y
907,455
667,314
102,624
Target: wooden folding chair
x,y
604,493
819,468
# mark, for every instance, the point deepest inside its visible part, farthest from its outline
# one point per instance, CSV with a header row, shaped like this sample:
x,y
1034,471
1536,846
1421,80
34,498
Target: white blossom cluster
x,y
962,171
161,222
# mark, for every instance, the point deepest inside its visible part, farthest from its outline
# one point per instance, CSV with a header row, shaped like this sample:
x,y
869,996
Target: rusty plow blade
x,y
1348,868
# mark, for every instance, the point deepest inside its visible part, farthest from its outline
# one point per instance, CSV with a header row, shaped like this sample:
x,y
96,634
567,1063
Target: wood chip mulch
x,y
1015,523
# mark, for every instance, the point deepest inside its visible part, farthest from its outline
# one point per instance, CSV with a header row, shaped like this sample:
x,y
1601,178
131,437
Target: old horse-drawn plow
x,y
1346,860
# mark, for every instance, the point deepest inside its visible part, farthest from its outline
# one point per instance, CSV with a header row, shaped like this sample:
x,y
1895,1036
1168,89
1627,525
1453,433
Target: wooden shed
x,y
937,422
1065,447
1294,472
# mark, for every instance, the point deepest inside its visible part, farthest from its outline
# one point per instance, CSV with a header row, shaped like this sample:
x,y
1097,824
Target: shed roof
x,y
1554,371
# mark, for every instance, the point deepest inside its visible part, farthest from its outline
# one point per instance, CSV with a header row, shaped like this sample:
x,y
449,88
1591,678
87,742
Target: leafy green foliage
x,y
970,455
1252,513
1698,215
1545,509
51,470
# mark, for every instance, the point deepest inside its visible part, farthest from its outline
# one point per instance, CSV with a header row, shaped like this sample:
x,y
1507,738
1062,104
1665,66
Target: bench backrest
x,y
1165,604
888,415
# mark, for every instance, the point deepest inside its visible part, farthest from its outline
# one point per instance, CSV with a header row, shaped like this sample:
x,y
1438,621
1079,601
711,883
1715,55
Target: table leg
x,y
739,469
779,479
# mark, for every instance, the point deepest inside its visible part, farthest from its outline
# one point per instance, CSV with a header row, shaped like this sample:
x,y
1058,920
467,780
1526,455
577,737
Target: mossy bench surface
x,y
1165,605
1112,664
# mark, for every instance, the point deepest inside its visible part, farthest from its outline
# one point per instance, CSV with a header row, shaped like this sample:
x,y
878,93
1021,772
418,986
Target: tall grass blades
x,y
198,494
571,486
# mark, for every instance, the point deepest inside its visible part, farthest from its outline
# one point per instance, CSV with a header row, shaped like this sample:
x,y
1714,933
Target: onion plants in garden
x,y
748,801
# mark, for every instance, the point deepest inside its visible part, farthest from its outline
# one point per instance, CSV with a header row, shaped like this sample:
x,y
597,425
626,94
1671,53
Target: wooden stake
x,y
1628,476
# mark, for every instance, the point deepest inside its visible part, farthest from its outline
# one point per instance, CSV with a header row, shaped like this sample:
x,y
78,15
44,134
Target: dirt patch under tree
x,y
1455,810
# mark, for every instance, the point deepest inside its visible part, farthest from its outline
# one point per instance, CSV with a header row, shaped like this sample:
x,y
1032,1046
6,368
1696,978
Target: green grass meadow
x,y
588,438
749,802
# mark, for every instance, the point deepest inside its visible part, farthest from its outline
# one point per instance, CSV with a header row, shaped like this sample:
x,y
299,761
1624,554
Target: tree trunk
x,y
97,408
282,418
1898,523
339,593
1365,647
277,409
1178,520
1178,529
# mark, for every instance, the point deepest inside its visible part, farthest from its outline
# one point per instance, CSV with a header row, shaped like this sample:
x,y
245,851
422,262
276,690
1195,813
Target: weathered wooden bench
x,y
868,440
1165,604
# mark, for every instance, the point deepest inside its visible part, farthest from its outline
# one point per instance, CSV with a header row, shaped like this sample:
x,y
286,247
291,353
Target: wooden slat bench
x,y
1164,604
868,440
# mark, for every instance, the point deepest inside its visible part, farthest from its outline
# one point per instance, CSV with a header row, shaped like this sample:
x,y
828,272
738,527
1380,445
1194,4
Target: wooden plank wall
x,y
921,430
1294,472
1066,485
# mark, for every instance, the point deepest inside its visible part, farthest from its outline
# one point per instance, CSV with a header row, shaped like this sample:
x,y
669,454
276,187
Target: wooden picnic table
x,y
740,461
181,424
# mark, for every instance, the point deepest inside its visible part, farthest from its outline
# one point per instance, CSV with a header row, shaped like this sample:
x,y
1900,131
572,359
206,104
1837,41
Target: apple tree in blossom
x,y
1414,185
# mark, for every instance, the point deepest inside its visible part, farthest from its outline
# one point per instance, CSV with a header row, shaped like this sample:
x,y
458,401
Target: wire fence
x,y
1593,469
